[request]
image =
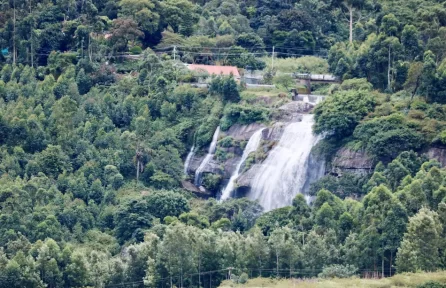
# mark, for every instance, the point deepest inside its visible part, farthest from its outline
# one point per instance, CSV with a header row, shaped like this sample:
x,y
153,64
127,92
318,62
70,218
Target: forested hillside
x,y
98,113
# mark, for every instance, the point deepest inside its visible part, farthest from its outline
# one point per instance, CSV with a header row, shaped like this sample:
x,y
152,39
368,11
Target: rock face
x,y
275,132
212,167
189,186
438,154
347,160
245,179
244,132
292,111
226,168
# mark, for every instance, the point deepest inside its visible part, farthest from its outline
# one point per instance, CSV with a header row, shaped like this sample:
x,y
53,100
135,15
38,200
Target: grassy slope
x,y
400,280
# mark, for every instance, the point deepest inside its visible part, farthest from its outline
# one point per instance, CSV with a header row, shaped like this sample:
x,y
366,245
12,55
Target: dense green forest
x,y
97,117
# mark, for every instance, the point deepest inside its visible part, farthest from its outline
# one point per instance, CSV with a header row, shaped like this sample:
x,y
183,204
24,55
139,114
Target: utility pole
x,y
272,58
174,52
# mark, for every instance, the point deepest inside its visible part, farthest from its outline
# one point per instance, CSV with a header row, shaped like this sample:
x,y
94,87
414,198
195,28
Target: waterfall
x,y
284,172
188,159
251,146
209,156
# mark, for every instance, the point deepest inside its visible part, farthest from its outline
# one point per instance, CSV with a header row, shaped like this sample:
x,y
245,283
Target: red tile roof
x,y
217,70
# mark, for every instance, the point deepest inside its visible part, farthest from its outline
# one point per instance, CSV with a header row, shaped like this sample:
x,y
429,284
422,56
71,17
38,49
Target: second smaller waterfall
x,y
188,159
252,146
209,156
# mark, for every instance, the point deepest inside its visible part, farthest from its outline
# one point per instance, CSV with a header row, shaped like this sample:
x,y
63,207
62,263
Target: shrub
x,y
386,137
243,278
242,114
166,203
136,50
441,138
212,181
432,284
227,142
356,84
339,114
416,114
338,271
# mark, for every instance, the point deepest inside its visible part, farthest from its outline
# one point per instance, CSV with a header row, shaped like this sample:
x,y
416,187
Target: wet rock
x,y
199,191
347,160
292,111
275,132
245,179
229,167
244,132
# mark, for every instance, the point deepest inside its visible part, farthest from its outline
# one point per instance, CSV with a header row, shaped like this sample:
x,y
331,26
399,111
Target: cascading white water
x,y
188,159
283,174
251,146
209,156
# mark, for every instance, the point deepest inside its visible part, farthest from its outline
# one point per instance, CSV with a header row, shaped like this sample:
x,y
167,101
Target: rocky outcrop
x,y
438,154
292,111
244,180
202,192
347,160
226,168
244,132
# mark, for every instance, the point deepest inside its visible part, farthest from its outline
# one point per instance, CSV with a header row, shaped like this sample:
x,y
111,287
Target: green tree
x,y
339,114
284,81
226,88
83,82
53,161
283,246
419,250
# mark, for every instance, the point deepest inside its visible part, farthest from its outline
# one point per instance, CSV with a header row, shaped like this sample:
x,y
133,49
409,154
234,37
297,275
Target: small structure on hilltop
x,y
203,71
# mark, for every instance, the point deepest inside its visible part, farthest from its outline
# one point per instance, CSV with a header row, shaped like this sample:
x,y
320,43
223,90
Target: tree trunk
x,y
260,266
350,11
390,266
277,264
382,267
13,37
90,50
388,73
199,272
31,36
137,171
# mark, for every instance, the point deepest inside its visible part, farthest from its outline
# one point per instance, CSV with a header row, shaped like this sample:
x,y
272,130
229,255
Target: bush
x,y
432,284
212,182
242,114
339,114
386,137
226,88
243,278
135,50
227,142
338,271
440,139
356,84
166,203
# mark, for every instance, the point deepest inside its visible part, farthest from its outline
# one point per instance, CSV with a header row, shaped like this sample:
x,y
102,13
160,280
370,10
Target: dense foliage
x,y
93,140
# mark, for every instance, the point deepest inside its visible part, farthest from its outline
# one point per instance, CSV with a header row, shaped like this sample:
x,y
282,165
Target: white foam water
x,y
251,146
208,158
284,172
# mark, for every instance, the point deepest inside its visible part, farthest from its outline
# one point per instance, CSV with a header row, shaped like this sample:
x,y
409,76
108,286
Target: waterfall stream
x,y
284,173
208,158
188,159
251,146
